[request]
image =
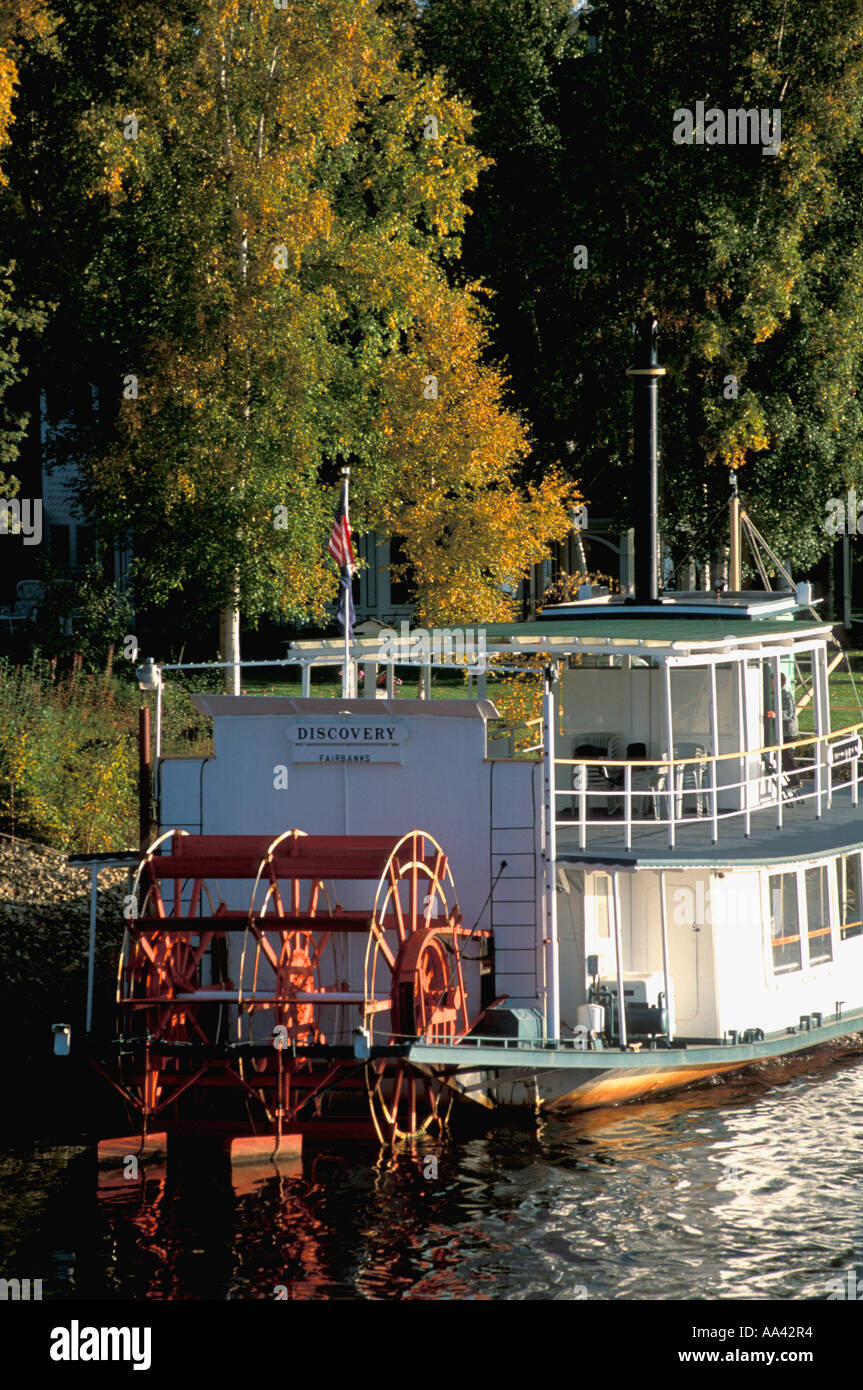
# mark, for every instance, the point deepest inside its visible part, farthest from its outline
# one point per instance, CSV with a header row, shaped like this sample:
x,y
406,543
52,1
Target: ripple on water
x,y
740,1191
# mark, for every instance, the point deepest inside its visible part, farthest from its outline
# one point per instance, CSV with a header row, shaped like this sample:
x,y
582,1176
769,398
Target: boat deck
x,y
801,836
570,1054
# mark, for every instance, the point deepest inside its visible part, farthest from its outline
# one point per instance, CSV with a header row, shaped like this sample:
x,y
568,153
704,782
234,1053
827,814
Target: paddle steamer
x,y
397,903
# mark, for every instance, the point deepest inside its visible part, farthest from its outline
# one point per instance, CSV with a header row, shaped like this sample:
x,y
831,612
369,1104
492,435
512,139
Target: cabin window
x,y
784,923
818,916
602,906
848,894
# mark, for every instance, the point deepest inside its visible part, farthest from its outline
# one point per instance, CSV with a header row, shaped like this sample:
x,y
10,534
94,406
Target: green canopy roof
x,y
661,631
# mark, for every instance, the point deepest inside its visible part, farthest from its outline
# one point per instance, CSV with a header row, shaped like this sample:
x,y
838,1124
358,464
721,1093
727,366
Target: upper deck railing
x,y
635,795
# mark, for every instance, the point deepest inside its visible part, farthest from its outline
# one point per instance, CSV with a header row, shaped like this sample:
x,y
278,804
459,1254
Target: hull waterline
x,y
564,1080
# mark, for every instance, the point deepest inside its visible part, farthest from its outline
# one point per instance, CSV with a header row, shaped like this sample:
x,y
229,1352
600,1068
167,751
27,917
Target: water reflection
x,y
743,1191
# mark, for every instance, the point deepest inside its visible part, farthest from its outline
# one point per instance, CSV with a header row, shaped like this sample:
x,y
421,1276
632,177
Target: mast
x,y
645,373
345,578
735,582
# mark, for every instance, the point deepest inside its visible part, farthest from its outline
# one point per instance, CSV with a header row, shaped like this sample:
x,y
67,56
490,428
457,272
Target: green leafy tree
x,y
22,23
272,203
15,320
751,261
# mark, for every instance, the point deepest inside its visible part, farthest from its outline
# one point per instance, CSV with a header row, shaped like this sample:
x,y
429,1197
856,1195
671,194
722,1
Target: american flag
x,y
342,552
340,540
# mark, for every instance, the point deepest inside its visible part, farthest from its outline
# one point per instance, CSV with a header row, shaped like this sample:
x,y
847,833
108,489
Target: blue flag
x,y
345,610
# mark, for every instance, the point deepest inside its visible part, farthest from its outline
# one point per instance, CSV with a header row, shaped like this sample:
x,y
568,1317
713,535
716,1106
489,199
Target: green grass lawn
x,y
444,687
844,706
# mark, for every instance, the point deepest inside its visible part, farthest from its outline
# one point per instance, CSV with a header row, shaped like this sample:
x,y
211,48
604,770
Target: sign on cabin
x,y
845,750
348,741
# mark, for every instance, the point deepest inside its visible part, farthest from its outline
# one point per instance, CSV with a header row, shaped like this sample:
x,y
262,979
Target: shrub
x,y
69,752
68,758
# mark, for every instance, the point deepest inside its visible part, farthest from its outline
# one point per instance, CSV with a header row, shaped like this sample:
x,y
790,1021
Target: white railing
x,y
507,735
663,790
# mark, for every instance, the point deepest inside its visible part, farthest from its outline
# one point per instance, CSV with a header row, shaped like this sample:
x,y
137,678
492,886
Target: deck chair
x,y
687,781
642,781
599,779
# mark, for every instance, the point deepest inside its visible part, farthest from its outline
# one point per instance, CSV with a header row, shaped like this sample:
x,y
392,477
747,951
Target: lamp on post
x,y
148,676
149,679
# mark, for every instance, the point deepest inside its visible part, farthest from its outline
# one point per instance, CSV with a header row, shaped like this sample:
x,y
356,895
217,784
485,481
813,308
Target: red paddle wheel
x,y
414,983
288,948
275,1017
161,996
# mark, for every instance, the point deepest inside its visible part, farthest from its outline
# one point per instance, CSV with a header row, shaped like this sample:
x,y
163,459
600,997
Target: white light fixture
x,y
148,676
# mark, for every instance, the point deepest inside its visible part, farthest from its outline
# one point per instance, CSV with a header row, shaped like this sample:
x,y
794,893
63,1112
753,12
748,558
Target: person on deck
x,y
790,731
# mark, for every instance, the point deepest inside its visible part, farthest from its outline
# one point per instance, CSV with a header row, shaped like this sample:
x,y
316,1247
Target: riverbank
x,y
44,935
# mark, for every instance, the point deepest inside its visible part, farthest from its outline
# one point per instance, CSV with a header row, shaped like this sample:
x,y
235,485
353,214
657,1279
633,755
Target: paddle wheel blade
x,y
242,1017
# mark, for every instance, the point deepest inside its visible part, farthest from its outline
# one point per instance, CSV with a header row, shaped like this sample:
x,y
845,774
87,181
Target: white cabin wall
x,y
691,951
690,693
750,995
850,967
631,703
612,700
742,962
573,950
516,909
480,811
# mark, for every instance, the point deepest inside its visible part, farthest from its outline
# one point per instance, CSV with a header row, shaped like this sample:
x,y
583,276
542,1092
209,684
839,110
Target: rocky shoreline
x,y
44,935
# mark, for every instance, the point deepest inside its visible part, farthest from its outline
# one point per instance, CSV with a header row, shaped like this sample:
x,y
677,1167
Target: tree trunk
x,y
229,646
229,616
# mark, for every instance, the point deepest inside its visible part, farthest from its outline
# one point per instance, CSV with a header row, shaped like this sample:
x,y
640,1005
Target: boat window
x,y
818,916
601,898
784,923
848,886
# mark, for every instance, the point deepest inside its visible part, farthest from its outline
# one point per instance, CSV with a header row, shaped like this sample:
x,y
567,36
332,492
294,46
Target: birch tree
x,y
280,201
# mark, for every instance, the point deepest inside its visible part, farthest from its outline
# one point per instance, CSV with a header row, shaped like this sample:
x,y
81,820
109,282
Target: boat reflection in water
x,y
736,1190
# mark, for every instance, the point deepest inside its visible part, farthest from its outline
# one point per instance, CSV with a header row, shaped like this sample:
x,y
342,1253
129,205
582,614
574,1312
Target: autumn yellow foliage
x,y
312,192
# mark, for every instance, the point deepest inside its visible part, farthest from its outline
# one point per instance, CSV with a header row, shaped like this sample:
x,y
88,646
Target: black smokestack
x,y
645,373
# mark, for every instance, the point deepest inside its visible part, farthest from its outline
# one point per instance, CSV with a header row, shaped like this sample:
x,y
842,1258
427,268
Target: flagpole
x,y
346,667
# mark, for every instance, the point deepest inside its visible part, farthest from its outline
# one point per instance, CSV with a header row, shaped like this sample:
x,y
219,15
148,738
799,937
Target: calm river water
x,y
738,1191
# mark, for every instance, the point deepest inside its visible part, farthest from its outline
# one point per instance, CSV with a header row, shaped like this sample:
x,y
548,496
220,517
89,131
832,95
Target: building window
x,y
401,584
602,906
818,916
848,894
784,923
